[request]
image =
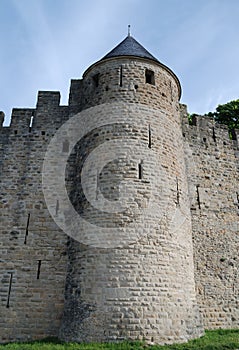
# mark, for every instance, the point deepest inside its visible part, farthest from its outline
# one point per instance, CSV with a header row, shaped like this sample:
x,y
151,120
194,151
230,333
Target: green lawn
x,y
213,340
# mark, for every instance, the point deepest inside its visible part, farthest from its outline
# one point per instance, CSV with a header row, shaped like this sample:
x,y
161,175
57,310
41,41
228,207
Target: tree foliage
x,y
227,114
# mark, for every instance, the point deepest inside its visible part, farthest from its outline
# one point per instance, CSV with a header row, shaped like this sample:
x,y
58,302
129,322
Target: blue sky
x,y
45,43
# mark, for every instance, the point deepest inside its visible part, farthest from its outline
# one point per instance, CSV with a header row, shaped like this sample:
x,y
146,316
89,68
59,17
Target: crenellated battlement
x,y
2,116
21,119
47,100
203,130
180,234
212,163
43,120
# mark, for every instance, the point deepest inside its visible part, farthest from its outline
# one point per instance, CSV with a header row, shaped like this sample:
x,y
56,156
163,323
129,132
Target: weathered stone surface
x,y
144,288
33,307
212,168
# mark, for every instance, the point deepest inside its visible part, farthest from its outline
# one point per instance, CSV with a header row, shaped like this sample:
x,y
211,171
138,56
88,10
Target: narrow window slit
x,y
97,185
38,269
121,76
26,233
150,134
198,197
171,91
178,194
214,135
9,290
149,77
140,168
57,207
238,199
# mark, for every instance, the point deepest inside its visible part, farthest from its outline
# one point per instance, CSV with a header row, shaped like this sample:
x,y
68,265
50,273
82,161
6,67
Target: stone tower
x,y
130,273
95,211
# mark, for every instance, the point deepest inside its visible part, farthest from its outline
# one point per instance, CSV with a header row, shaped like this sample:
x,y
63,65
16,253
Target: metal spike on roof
x,y
129,30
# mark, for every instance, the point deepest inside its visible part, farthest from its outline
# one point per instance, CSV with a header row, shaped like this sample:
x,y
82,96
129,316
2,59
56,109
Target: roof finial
x,y
129,34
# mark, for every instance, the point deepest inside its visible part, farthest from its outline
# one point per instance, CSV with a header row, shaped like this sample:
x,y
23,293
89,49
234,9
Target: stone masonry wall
x,y
212,168
124,80
143,286
136,283
33,258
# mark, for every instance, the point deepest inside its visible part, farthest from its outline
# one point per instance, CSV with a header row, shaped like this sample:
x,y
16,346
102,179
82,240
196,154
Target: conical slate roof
x,y
130,47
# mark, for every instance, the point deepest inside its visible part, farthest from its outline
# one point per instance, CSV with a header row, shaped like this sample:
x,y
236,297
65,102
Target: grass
x,y
213,340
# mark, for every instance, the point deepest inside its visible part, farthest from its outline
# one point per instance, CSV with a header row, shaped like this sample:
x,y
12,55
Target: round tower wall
x,y
124,79
131,272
